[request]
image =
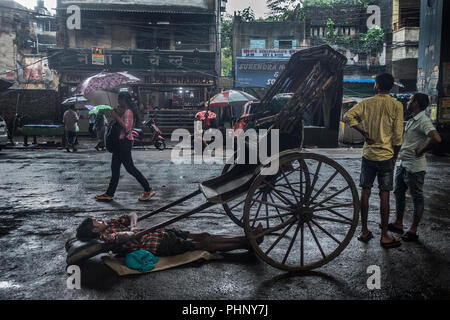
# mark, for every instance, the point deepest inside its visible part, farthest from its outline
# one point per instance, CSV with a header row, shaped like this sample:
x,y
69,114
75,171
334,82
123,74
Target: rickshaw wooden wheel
x,y
309,215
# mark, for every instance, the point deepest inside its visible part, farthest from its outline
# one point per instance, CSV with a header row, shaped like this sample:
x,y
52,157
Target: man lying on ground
x,y
160,242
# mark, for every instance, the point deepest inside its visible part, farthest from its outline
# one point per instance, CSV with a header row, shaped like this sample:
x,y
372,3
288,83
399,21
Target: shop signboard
x,y
142,60
258,72
268,53
179,80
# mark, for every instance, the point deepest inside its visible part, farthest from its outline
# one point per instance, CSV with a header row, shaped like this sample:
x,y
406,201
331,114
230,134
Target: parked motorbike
x,y
157,139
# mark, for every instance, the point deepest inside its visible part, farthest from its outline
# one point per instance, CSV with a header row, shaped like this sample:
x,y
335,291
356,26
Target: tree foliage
x,y
368,42
226,27
373,39
284,10
226,36
288,10
247,14
291,10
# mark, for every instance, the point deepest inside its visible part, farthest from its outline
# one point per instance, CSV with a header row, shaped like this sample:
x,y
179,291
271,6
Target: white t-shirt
x,y
70,120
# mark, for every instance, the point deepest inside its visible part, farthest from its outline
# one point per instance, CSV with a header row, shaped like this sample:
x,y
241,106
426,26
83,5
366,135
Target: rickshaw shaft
x,y
191,195
173,220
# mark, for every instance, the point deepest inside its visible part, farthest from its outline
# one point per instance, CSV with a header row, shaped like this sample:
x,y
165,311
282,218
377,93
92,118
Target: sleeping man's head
x,y
90,229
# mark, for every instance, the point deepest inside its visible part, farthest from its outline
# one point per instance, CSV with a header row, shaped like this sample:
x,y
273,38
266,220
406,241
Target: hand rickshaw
x,y
309,209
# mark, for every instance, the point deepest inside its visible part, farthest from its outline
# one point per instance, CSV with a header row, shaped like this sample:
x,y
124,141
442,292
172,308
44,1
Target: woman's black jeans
x,y
123,156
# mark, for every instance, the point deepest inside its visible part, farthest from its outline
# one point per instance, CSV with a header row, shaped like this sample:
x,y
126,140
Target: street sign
x,y
98,56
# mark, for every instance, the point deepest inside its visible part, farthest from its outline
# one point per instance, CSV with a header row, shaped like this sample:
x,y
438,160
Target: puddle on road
x,y
8,285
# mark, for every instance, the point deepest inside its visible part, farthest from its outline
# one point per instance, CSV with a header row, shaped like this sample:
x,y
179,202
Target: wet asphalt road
x,y
46,193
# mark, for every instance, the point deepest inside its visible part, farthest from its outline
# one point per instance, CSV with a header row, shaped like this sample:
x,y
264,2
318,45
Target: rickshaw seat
x,y
229,185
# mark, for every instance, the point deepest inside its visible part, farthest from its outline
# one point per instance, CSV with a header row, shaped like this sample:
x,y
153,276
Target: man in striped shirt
x,y
161,242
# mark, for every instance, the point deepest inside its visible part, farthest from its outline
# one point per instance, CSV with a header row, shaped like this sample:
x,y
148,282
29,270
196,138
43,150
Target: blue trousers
x,y
405,180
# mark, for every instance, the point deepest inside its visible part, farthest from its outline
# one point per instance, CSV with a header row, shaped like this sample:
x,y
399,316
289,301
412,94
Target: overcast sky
x,y
49,4
258,6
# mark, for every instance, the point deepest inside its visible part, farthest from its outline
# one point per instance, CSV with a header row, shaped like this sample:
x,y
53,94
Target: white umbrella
x,y
74,100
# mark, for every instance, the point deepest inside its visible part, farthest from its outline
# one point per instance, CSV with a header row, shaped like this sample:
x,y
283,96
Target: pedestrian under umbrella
x,y
201,115
125,117
99,108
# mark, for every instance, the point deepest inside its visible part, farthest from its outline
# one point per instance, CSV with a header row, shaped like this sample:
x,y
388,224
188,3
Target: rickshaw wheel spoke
x,y
278,211
233,209
291,244
325,231
279,238
315,239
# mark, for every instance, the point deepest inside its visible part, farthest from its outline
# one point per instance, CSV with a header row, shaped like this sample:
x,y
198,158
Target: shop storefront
x,y
173,90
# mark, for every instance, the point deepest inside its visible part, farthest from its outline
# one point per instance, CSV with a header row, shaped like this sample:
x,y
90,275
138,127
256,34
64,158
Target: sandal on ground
x,y
366,238
410,236
393,228
147,195
104,197
394,243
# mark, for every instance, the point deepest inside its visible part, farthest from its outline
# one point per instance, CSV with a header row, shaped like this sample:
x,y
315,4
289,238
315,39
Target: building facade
x,y
261,49
17,38
23,59
173,46
45,26
405,42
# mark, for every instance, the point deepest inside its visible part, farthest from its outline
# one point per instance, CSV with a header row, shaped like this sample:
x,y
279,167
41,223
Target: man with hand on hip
x,y
382,128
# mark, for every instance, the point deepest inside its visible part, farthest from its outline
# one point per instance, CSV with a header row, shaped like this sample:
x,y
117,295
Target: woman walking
x,y
127,116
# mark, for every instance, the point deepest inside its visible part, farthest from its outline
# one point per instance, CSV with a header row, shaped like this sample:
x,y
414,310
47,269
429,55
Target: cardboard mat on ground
x,y
164,263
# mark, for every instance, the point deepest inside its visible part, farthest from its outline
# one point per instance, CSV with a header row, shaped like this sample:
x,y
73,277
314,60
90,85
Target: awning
x,y
140,9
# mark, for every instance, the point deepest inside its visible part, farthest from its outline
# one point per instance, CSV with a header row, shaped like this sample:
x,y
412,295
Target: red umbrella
x,y
230,97
105,80
202,115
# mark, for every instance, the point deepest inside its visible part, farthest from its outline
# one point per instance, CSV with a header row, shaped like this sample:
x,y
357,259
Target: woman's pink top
x,y
128,119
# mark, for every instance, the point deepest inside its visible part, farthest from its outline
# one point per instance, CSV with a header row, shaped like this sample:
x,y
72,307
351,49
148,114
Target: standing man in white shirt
x,y
419,137
70,120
